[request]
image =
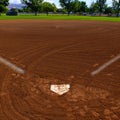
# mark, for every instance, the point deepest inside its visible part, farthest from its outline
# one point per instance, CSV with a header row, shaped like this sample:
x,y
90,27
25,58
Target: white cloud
x,y
57,1
15,1
19,1
51,1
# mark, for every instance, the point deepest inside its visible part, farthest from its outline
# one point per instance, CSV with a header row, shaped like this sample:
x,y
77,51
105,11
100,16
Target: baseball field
x,y
59,51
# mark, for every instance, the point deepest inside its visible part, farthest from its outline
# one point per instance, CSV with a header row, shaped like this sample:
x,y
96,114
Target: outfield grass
x,y
60,17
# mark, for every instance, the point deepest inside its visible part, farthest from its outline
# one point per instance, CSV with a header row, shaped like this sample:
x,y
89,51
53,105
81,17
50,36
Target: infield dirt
x,y
59,52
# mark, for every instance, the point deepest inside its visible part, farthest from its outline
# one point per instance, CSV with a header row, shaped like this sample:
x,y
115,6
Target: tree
x,y
83,6
12,12
54,8
26,9
78,6
108,10
116,7
48,7
66,4
98,6
2,9
61,11
94,8
34,5
75,5
3,4
101,4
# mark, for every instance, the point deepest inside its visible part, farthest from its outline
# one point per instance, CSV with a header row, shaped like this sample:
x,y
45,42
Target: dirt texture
x,y
59,52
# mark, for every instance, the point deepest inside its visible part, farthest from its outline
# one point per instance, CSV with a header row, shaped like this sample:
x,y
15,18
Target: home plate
x,y
60,89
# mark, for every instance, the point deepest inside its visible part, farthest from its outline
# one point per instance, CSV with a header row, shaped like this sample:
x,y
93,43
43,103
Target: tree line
x,y
67,6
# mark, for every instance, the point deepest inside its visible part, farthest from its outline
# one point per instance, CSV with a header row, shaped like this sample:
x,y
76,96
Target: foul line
x,y
105,65
11,65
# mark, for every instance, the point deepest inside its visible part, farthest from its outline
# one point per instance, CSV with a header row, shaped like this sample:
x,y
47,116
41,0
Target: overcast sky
x,y
57,1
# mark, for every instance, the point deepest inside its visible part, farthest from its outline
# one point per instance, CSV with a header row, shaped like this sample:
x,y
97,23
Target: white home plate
x,y
60,89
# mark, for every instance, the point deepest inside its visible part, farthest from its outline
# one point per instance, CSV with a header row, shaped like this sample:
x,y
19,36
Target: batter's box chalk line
x,y
105,65
11,66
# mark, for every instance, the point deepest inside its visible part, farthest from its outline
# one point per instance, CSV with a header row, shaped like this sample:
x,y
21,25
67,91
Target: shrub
x,y
12,12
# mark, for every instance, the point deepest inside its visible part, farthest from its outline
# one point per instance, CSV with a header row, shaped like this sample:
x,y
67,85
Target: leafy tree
x,y
34,5
54,8
108,10
94,8
2,9
116,7
26,9
12,12
61,10
4,2
48,7
101,4
80,6
98,6
83,6
66,4
75,5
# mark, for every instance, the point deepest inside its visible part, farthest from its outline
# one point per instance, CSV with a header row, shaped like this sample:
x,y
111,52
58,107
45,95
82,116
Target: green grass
x,y
59,17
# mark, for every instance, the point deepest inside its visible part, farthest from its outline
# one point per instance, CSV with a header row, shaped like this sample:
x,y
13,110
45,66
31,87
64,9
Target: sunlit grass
x,y
58,17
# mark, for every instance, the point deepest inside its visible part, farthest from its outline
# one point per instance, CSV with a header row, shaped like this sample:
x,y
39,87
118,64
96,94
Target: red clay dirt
x,y
56,52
